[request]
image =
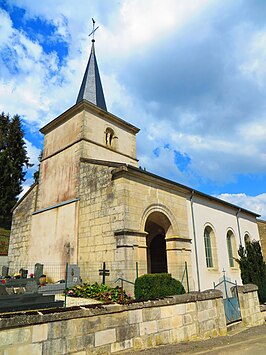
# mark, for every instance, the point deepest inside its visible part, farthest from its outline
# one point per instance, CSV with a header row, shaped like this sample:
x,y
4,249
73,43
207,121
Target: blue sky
x,y
190,74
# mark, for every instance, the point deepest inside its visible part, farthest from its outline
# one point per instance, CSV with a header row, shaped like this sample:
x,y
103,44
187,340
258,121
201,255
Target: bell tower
x,y
86,130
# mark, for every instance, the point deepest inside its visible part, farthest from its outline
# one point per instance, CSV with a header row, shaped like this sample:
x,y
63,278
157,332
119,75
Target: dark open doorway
x,y
157,225
158,260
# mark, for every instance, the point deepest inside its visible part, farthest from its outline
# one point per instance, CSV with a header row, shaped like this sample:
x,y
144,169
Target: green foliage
x,y
101,292
152,286
253,268
13,159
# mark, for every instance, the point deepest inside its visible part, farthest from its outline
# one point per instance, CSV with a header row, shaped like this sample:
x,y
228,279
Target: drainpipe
x,y
238,227
195,239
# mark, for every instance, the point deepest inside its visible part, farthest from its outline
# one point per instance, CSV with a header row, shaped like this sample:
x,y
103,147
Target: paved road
x,y
248,342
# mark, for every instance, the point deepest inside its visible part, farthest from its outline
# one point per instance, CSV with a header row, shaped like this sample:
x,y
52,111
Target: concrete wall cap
x,y
245,288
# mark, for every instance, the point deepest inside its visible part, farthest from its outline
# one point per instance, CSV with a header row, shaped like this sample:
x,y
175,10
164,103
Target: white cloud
x,y
6,29
42,87
142,22
254,64
33,154
26,186
256,204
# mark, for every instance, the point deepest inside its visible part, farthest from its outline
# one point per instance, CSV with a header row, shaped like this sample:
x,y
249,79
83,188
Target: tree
x,y
253,268
13,160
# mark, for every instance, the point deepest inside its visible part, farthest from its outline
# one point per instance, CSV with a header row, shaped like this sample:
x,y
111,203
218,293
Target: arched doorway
x,y
157,225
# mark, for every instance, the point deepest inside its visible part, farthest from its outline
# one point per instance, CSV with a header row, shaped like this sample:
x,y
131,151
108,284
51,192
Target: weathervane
x,y
93,29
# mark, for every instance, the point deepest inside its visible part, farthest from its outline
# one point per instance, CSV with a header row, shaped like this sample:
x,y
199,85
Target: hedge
x,y
152,286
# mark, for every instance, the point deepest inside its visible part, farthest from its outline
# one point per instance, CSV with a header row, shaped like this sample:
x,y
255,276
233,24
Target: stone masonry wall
x,y
101,213
249,305
21,229
113,328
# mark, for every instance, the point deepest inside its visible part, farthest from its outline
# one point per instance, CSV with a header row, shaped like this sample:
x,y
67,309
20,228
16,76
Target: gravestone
x,y
5,271
73,275
31,286
10,282
23,273
14,299
38,271
73,278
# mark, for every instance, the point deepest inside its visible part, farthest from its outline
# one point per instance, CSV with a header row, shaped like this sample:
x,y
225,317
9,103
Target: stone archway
x,y
157,225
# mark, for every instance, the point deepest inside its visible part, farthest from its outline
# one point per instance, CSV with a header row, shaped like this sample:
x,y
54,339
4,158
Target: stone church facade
x,y
93,204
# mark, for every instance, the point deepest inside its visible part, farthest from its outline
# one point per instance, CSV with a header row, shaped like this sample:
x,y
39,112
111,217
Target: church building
x,y
94,204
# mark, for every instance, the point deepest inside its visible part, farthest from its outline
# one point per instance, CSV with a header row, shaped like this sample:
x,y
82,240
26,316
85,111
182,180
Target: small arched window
x,y
247,239
109,136
230,240
208,247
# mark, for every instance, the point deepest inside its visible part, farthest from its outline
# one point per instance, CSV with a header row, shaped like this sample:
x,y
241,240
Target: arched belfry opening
x,y
157,225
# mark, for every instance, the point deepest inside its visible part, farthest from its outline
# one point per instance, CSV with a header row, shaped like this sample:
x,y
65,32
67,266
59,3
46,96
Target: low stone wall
x,y
249,305
112,328
105,329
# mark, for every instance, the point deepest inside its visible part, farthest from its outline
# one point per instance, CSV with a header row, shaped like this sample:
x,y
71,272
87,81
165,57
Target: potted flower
x,y
42,280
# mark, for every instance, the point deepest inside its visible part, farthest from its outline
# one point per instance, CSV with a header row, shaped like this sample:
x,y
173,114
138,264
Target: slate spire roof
x,y
91,86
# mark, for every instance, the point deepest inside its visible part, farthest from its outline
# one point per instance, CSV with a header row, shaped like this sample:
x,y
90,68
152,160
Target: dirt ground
x,y
251,341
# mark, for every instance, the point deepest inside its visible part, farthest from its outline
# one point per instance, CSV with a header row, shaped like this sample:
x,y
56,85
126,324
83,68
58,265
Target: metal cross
x,y
93,29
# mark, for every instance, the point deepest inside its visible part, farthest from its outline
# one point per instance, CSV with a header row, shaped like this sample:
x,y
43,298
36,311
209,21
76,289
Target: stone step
x,y
235,328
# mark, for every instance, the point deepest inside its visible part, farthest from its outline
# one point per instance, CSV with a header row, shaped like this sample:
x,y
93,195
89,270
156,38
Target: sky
x,y
190,74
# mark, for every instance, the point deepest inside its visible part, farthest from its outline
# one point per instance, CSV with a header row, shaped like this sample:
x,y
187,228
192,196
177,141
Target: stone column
x,y
178,250
249,304
131,247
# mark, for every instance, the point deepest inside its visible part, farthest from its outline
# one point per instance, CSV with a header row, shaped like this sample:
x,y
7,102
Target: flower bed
x,y
98,292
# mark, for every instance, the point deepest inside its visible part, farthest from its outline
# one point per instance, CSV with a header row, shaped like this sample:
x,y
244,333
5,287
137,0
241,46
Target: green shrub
x,y
101,292
152,286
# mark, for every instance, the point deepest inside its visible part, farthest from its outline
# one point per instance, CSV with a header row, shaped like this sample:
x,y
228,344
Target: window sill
x,y
212,269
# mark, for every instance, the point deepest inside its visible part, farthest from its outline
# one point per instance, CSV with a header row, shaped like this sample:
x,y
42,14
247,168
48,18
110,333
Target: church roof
x,y
91,86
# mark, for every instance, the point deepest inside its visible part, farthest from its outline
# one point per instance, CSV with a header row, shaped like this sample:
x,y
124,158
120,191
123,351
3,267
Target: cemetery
x,y
27,292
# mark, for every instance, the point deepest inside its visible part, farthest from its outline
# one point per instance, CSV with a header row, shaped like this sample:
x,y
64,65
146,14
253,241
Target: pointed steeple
x,y
91,86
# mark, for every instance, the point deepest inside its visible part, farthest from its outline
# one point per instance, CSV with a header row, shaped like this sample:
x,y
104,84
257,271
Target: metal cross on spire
x,y
93,29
